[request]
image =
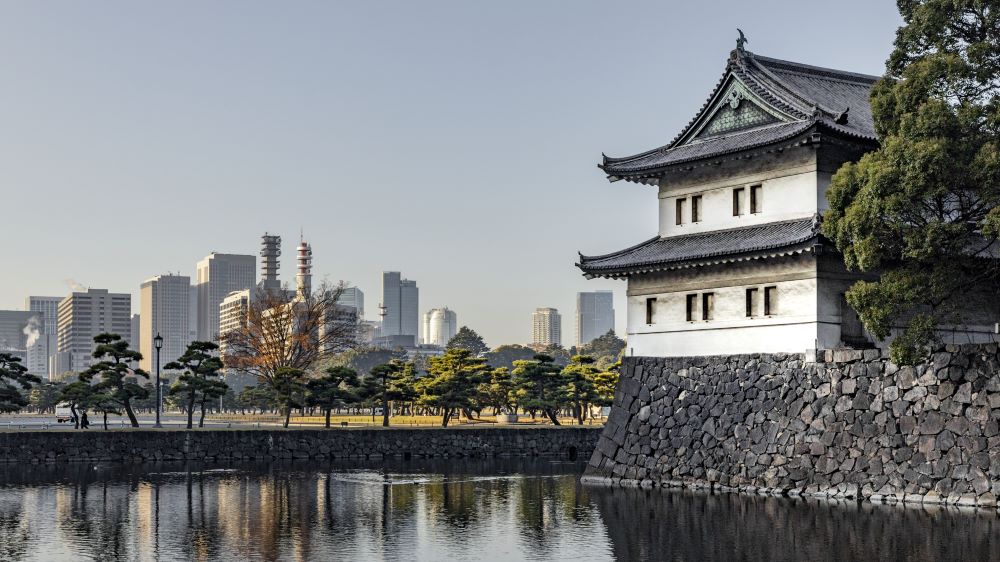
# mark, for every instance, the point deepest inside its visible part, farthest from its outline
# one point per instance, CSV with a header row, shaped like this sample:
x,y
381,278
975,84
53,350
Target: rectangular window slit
x,y
650,309
680,211
692,306
696,208
738,201
751,302
756,199
770,301
707,305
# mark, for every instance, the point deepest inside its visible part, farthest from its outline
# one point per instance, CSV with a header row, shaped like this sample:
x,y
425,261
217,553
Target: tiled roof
x,y
679,251
806,96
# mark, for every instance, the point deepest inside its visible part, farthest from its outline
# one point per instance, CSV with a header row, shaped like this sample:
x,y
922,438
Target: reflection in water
x,y
435,510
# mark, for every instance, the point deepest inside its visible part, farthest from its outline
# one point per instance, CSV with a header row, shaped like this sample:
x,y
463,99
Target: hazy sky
x,y
456,142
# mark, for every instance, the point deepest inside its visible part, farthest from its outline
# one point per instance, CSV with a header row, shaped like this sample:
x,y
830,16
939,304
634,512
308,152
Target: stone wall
x,y
263,444
852,426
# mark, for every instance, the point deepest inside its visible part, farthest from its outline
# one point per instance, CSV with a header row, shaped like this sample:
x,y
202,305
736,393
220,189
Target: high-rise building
x,y
193,314
353,297
42,353
83,315
136,324
546,327
400,297
233,313
16,328
440,325
270,251
595,315
164,306
219,275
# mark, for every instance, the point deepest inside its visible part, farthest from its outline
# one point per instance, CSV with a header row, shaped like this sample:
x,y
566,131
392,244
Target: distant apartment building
x,y
401,300
164,308
546,327
440,325
193,313
217,276
42,352
83,315
355,298
595,315
136,323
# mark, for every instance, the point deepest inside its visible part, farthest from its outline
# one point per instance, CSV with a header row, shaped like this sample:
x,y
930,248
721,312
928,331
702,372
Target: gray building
x,y
400,297
42,353
83,315
15,329
595,315
219,275
164,303
353,297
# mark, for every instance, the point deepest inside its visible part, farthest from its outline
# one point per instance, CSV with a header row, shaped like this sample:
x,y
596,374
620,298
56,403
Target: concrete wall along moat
x,y
271,444
852,426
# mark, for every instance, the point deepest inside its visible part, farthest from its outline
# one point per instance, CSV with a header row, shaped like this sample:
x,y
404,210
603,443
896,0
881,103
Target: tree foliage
x,y
607,345
199,383
467,338
506,355
119,380
337,387
540,386
924,208
452,382
12,373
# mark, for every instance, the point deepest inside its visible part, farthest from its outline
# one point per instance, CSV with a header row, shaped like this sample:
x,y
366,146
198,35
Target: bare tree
x,y
284,332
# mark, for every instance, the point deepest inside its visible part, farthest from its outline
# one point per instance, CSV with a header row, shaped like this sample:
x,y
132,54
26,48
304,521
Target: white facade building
x,y
738,263
546,327
164,304
355,298
41,355
440,325
217,276
83,315
401,299
595,315
233,313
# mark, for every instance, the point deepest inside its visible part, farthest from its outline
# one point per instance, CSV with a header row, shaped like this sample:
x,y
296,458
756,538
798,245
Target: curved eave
x,y
811,246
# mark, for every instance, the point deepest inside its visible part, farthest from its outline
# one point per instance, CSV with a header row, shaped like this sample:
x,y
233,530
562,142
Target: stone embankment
x,y
854,425
139,445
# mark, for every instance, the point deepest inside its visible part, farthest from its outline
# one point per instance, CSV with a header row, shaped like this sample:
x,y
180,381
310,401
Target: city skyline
x,y
220,127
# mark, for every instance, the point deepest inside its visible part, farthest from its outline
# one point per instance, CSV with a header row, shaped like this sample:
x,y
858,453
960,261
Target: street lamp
x,y
158,344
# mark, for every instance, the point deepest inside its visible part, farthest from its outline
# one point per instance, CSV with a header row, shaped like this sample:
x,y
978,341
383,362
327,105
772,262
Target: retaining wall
x,y
851,426
261,444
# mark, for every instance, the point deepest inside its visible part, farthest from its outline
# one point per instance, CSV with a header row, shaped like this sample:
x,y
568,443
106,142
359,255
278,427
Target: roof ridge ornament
x,y
741,41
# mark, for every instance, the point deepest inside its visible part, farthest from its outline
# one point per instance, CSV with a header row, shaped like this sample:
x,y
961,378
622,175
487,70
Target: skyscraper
x,y
546,327
41,354
233,314
440,325
219,275
83,315
164,304
352,296
400,297
595,315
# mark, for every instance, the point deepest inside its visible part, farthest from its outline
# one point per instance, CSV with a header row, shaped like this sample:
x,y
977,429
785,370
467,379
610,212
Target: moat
x,y
443,510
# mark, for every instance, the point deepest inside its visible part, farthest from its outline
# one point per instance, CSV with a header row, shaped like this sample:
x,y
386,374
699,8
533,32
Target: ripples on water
x,y
442,510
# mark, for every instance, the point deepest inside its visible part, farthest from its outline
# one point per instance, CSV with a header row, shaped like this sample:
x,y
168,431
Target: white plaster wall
x,y
788,194
792,328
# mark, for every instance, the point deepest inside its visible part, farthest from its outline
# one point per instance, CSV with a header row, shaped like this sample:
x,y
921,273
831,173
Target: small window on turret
x,y
696,208
738,201
692,307
680,210
650,309
707,306
770,301
756,199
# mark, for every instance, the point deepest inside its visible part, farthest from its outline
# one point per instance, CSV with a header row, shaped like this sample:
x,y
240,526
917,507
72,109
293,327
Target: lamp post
x,y
158,344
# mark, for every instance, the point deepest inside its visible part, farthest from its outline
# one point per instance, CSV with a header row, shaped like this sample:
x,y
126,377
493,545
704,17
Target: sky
x,y
454,141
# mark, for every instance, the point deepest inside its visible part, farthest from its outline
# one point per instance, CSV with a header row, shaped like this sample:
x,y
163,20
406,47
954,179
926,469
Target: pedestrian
x,y
84,422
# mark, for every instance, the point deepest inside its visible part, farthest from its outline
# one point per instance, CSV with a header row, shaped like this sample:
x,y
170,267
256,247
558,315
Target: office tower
x,y
400,297
218,275
440,325
48,308
136,324
595,315
353,297
83,315
546,327
164,305
193,314
233,313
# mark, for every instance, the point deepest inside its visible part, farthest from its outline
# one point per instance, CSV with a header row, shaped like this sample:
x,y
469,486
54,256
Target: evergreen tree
x,y
924,209
452,382
77,394
199,383
608,345
13,372
579,387
335,388
118,379
506,355
540,386
467,338
498,391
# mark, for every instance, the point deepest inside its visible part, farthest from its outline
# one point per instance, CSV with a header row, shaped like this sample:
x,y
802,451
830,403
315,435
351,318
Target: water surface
x,y
442,510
